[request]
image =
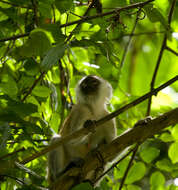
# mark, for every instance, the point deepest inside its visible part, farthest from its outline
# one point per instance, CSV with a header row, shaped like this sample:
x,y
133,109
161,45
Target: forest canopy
x,y
46,46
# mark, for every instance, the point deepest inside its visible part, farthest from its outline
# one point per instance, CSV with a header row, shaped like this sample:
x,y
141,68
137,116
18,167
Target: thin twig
x,y
136,5
87,18
163,47
130,39
171,50
128,167
98,123
14,37
78,24
62,90
54,14
12,153
33,86
114,165
15,5
35,10
14,178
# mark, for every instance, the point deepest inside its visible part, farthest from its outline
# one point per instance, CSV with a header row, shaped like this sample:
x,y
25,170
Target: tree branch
x,y
98,123
12,153
14,5
137,134
87,18
171,50
163,47
14,37
130,39
78,24
152,87
33,86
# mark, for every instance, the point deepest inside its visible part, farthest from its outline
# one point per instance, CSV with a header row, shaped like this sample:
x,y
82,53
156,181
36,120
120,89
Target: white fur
x,y
97,102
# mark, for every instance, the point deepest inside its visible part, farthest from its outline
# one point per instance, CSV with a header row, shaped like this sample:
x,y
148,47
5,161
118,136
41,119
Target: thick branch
x,y
137,134
98,123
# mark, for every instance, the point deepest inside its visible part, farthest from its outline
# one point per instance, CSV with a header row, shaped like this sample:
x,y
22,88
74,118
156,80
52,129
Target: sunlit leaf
x,y
157,180
37,44
165,164
174,132
53,55
173,152
133,187
136,172
41,91
149,154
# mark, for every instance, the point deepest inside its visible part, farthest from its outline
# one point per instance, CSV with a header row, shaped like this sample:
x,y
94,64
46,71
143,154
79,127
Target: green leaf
x,y
82,186
174,132
63,5
41,91
136,172
133,187
149,154
8,86
5,131
20,108
56,33
120,170
31,67
9,116
157,181
173,152
166,137
53,55
37,44
155,16
165,164
45,9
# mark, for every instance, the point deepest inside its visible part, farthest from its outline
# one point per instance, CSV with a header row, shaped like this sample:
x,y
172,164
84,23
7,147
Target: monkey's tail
x,y
55,160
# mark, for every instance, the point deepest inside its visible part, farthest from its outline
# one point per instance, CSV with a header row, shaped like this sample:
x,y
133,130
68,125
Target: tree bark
x,y
137,134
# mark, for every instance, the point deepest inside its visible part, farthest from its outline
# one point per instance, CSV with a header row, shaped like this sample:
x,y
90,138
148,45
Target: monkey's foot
x,y
90,125
143,121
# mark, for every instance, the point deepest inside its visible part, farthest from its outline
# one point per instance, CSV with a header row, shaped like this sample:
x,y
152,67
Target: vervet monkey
x,y
92,95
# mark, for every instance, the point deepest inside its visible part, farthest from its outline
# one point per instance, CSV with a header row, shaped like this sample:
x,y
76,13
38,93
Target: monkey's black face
x,y
90,85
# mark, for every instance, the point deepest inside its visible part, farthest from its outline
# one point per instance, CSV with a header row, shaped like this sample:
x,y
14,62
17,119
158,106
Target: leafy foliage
x,y
43,55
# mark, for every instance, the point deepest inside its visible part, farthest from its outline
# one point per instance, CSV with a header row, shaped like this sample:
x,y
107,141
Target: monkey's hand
x,y
90,125
143,121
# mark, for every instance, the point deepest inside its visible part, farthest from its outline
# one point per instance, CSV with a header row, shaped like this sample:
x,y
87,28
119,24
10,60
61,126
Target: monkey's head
x,y
93,89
